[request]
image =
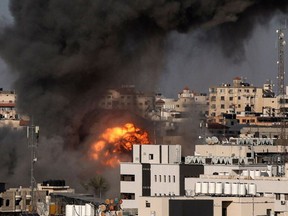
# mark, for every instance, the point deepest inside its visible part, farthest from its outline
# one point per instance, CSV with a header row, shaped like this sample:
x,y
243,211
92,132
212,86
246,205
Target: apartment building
x,y
17,201
242,98
127,98
186,105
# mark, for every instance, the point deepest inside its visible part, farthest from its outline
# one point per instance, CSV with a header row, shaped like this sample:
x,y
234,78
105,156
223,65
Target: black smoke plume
x,y
66,53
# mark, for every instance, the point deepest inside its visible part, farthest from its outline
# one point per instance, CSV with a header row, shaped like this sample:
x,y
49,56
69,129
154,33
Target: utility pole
x,y
33,140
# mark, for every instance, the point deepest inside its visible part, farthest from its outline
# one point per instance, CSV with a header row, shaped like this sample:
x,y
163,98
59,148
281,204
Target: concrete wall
x,y
167,185
236,206
131,186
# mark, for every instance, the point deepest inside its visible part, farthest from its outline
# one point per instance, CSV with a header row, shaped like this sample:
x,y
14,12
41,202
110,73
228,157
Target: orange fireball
x,y
116,141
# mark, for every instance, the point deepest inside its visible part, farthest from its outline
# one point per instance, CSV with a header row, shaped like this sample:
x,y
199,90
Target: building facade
x,y
156,170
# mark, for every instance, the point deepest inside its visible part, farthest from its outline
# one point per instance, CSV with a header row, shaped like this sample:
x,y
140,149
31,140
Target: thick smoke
x,y
66,53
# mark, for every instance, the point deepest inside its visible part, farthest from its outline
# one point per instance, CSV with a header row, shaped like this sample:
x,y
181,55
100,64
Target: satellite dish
x,y
208,140
214,140
102,207
224,140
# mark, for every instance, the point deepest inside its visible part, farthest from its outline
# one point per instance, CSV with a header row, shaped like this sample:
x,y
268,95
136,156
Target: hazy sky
x,y
198,61
6,78
188,57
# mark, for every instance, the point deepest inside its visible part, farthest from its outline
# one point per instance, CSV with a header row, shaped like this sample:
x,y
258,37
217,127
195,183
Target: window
x,y
127,177
231,98
17,202
222,98
28,202
159,178
148,204
277,196
169,178
7,203
213,90
129,196
222,106
164,178
155,178
213,98
150,156
174,178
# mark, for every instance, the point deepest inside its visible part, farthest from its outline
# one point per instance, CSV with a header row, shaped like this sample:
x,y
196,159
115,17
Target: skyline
x,y
64,54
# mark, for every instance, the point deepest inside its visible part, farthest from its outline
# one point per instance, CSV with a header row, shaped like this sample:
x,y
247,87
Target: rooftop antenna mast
x,y
280,77
33,140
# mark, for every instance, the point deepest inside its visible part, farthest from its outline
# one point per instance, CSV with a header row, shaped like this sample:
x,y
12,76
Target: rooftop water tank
x,y
204,188
219,188
198,188
227,188
252,189
234,190
211,187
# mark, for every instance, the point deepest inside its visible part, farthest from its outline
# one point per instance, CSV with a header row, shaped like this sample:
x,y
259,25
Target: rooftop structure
x,y
239,176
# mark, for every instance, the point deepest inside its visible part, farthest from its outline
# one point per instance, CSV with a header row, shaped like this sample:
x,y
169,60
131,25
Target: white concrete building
x,y
243,176
156,170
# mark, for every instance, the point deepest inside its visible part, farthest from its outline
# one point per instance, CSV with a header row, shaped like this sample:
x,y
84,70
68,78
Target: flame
x,y
115,141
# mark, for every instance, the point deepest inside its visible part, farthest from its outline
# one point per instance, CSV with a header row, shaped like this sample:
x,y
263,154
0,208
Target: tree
x,y
99,185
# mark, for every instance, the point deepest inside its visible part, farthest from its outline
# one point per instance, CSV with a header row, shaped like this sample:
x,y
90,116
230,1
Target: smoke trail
x,y
66,53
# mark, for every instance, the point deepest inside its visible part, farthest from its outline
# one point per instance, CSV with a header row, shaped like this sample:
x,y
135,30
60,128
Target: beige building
x,y
16,200
20,199
127,98
7,105
242,98
205,206
188,104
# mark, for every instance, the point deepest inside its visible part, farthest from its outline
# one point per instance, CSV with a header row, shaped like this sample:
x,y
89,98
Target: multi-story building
x,y
15,201
127,98
7,105
177,115
156,170
188,104
8,114
242,98
240,176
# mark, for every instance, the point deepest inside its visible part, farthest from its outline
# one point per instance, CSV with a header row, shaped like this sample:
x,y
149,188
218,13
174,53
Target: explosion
x,y
115,142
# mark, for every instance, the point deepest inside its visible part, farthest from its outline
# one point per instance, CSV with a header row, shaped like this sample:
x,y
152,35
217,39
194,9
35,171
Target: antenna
x,y
281,92
280,77
33,140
